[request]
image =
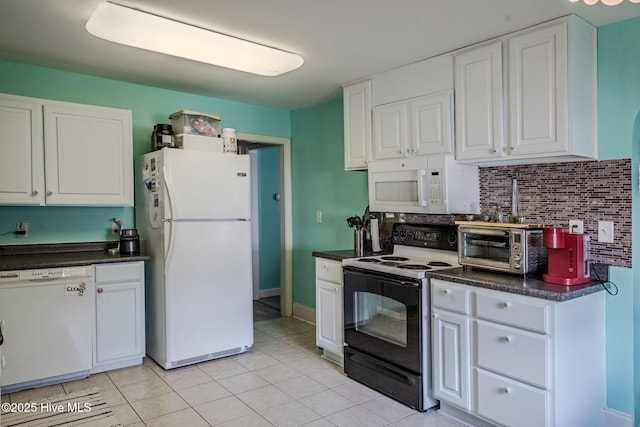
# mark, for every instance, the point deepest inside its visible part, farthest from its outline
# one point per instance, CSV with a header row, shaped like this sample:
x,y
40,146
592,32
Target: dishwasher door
x,y
47,326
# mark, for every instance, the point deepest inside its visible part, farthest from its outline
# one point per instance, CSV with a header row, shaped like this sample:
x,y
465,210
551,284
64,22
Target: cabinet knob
x,y
493,151
49,193
506,338
99,290
446,291
325,266
34,193
506,304
506,390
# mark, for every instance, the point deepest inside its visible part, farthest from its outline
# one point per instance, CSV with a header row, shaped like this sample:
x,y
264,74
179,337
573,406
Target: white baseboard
x,y
613,418
266,293
305,313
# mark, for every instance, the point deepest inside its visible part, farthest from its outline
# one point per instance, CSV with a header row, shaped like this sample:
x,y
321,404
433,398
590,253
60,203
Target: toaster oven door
x,y
485,248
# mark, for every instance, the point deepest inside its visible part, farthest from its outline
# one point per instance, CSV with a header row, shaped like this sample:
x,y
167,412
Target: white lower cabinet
x,y
507,359
329,304
119,339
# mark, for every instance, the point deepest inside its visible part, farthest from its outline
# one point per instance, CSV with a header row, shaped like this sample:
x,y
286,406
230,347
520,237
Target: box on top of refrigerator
x,y
193,122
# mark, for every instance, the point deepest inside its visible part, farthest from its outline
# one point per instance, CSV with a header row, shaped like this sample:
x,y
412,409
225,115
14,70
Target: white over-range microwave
x,y
430,185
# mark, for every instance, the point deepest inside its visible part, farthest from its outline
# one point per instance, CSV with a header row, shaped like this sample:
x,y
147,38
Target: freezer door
x,y
201,185
209,304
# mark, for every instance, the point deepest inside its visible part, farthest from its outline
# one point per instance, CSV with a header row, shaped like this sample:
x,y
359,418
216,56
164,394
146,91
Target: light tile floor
x,y
282,381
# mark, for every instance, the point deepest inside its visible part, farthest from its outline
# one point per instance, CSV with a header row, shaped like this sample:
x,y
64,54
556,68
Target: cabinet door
x,y
537,91
119,321
329,333
431,124
22,159
357,125
451,364
88,155
479,103
390,131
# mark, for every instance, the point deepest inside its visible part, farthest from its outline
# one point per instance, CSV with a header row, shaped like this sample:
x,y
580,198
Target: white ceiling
x,y
340,40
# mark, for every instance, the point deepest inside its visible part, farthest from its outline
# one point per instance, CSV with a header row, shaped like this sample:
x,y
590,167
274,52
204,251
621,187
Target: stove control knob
x,y
403,234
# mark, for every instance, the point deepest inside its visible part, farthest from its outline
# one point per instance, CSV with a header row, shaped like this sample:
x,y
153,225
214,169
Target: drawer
x,y
518,354
119,273
329,270
501,307
450,296
510,403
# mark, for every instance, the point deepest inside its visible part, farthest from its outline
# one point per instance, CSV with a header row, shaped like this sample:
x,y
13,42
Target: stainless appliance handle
x,y
398,282
484,231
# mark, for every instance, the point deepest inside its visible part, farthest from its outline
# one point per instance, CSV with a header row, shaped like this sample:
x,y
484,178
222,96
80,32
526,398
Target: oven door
x,y
383,317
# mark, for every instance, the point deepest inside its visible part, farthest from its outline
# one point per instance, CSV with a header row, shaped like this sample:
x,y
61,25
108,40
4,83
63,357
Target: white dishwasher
x,y
46,318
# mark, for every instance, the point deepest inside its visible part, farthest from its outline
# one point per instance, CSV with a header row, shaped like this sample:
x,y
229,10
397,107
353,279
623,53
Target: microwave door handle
x,y
421,199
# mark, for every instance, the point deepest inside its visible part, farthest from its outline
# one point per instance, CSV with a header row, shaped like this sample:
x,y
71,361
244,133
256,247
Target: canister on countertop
x,y
129,242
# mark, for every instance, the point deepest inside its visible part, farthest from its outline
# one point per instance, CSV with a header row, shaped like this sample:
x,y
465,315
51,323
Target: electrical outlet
x,y
22,229
605,231
115,229
576,226
319,217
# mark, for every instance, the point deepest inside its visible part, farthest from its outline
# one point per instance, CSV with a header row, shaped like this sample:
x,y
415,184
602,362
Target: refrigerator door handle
x,y
172,211
170,243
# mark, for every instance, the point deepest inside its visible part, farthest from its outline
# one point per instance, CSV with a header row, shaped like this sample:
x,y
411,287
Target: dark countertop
x,y
531,285
524,285
339,255
23,257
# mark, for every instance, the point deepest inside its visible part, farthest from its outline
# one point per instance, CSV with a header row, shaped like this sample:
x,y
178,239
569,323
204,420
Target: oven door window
x,y
381,317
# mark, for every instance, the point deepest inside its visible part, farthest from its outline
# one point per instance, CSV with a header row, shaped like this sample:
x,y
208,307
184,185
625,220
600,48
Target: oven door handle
x,y
386,279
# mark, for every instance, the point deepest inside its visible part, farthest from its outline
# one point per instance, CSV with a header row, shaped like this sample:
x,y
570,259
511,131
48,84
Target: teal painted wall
x,y
320,183
269,184
150,105
618,137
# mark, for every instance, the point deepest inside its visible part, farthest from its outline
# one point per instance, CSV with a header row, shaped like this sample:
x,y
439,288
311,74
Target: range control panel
x,y
444,237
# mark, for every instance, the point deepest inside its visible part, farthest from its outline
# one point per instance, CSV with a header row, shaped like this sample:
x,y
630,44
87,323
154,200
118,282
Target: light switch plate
x,y
605,231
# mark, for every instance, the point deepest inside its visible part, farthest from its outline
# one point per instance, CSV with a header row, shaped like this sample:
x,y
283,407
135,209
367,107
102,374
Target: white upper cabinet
x,y
22,159
549,96
88,155
357,125
416,127
479,106
58,153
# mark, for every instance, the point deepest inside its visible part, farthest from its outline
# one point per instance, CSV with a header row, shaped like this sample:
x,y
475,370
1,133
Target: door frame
x,y
286,216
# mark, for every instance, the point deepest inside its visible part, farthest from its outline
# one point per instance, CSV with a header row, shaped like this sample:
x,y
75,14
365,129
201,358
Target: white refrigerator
x,y
193,217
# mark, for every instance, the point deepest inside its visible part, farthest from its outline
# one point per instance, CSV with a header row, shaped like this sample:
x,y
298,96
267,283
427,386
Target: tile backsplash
x,y
554,193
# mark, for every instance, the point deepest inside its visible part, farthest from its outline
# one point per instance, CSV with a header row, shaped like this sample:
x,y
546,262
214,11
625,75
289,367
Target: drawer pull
x,y
505,305
446,291
506,390
506,338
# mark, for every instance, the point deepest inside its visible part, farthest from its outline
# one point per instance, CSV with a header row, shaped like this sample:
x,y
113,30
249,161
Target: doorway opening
x,y
273,222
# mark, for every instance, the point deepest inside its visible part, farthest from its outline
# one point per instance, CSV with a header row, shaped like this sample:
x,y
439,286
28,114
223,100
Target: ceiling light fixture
x,y
151,32
607,2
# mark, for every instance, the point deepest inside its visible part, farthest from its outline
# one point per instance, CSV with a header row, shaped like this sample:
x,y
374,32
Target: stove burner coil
x,y
440,264
415,267
394,258
369,260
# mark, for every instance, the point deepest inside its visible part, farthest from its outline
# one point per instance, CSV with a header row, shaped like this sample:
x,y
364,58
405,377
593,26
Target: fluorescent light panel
x,y
139,29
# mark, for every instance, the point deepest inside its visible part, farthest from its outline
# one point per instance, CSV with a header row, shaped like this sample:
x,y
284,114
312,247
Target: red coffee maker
x,y
568,257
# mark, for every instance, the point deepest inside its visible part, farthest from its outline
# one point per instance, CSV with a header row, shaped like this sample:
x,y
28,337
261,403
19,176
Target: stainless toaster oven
x,y
505,249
